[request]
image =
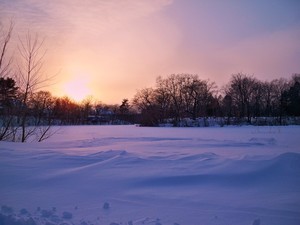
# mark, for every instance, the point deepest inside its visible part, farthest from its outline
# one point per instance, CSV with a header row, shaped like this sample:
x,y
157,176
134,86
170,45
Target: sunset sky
x,y
111,48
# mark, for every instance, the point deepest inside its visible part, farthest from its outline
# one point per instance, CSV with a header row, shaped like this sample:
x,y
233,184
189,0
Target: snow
x,y
113,175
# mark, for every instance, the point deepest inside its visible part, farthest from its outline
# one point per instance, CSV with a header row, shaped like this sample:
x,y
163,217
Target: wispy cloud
x,y
98,37
122,45
72,15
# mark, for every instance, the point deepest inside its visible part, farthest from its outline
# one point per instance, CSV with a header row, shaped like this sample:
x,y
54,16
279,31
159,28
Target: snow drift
x,y
131,175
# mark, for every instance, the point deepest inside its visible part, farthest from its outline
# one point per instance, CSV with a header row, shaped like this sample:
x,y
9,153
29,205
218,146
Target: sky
x,y
109,49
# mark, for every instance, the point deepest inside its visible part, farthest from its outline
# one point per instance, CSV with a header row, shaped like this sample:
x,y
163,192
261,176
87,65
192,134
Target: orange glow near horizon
x,y
77,88
110,49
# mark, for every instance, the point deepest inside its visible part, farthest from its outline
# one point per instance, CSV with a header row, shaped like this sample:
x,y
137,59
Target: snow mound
x,y
129,175
263,141
265,173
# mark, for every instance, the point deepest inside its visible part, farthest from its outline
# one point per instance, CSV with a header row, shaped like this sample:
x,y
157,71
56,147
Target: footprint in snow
x,y
106,205
256,222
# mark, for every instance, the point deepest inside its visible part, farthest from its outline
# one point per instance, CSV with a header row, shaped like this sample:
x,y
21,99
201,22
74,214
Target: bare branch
x,y
5,67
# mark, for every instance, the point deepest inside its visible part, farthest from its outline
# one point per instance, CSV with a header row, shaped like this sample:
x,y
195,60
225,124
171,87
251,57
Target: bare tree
x,y
241,89
227,108
290,97
124,107
280,86
41,105
7,85
5,36
174,85
163,100
31,79
267,97
86,109
186,95
67,111
145,102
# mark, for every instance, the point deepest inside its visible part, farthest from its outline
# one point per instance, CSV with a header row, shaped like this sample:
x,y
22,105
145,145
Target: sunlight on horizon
x,y
123,46
77,88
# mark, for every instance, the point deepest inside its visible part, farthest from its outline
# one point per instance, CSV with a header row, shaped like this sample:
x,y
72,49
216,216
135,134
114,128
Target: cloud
x,y
114,42
123,45
73,15
73,24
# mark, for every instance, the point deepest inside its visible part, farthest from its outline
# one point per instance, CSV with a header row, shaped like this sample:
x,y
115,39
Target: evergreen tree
x,y
8,91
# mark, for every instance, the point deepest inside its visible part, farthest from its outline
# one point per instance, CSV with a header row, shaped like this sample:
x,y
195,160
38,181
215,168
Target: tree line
x,y
245,99
29,113
34,118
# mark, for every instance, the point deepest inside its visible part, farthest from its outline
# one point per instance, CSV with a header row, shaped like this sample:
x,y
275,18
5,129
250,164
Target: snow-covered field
x,y
131,175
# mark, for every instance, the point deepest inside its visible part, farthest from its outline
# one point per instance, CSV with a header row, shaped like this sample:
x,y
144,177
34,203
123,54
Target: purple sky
x,y
111,48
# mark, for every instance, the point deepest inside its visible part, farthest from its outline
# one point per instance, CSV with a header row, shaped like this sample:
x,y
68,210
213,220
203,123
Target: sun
x,y
77,88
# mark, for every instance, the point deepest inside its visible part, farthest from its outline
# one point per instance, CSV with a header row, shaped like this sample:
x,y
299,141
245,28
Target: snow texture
x,y
128,175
